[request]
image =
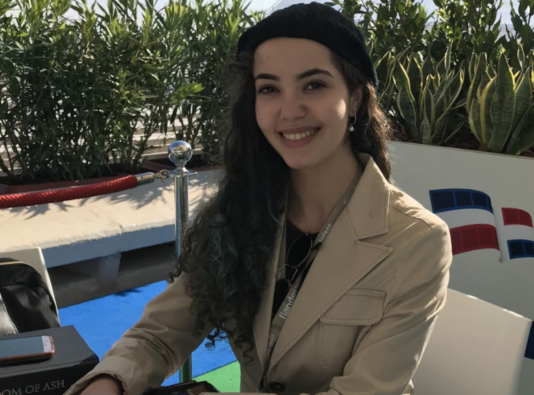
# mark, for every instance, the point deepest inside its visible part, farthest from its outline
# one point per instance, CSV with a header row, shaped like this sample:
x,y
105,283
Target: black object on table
x,y
189,388
71,361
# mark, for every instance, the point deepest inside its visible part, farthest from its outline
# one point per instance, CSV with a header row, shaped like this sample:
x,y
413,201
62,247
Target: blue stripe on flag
x,y
529,353
458,199
521,249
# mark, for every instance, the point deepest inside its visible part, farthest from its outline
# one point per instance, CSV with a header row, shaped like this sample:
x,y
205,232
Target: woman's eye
x,y
312,86
315,86
266,90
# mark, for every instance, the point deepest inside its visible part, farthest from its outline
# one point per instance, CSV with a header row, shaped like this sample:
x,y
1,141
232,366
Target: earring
x,y
351,128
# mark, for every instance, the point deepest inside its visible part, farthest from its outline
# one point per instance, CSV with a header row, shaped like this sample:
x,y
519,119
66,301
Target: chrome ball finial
x,y
180,153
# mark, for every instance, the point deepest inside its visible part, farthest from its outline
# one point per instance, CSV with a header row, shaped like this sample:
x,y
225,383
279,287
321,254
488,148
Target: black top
x,y
281,290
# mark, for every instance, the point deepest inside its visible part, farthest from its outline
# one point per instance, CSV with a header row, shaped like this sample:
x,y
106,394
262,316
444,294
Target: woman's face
x,y
302,101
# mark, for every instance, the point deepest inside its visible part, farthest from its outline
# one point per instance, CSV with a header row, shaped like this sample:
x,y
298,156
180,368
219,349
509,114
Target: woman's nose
x,y
292,108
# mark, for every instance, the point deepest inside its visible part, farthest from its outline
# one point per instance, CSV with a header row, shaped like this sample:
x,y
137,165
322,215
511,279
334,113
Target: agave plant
x,y
500,106
427,96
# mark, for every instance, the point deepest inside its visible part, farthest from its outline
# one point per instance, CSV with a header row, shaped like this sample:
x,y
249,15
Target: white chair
x,y
476,348
33,257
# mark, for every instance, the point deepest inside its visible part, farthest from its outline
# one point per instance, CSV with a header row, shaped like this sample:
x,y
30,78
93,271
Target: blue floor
x,y
101,322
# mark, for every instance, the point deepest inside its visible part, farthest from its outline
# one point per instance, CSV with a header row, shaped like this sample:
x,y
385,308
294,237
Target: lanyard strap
x,y
280,317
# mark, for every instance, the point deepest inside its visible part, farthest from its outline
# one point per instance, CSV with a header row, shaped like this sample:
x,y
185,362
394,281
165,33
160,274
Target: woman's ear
x,y
356,101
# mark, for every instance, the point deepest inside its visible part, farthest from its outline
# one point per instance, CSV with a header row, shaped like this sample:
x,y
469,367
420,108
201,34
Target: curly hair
x,y
227,248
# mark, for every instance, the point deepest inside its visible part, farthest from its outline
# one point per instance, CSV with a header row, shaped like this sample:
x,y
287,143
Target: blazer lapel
x,y
342,261
262,323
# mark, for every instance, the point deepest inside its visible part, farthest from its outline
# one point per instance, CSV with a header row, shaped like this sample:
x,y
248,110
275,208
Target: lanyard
x,y
280,317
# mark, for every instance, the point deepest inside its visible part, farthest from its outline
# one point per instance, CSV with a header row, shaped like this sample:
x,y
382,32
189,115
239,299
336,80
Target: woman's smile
x,y
296,138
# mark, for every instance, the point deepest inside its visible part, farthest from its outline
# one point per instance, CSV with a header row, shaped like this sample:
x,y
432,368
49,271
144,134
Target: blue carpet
x,y
101,322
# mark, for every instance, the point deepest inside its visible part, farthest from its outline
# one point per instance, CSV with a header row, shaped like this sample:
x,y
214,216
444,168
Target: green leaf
x,y
485,79
523,98
440,91
491,71
454,87
517,23
521,56
523,4
406,105
435,84
426,137
441,128
474,121
382,68
523,136
478,69
473,67
486,124
441,67
453,91
415,76
401,79
427,66
429,105
502,107
447,59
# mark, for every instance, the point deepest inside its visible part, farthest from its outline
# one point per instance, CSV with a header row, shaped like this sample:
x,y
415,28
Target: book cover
x,y
71,361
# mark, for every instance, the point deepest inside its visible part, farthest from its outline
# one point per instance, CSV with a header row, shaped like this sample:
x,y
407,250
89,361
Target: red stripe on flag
x,y
473,237
515,216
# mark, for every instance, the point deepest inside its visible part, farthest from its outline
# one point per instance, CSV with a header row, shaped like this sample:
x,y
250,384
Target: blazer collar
x,y
341,262
368,207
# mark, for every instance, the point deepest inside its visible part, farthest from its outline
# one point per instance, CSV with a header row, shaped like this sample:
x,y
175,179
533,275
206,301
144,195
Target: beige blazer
x,y
360,323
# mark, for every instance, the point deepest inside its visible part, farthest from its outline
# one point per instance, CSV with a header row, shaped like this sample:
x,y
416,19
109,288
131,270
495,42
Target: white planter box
x,y
488,202
101,226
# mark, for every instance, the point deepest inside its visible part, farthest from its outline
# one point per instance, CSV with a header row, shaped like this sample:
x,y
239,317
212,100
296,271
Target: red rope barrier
x,y
61,195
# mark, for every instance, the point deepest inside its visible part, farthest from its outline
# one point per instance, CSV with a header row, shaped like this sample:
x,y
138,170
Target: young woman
x,y
324,276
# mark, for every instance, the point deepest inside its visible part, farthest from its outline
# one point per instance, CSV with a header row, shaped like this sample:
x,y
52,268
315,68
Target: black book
x,y
72,360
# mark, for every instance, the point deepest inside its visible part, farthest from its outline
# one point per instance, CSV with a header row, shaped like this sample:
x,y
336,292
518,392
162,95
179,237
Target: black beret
x,y
316,22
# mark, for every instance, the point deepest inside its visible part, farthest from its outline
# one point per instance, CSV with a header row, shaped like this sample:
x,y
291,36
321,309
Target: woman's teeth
x,y
299,136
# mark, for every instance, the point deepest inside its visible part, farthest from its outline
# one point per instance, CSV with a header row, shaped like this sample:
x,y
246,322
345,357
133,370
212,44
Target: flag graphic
x,y
476,225
515,233
469,215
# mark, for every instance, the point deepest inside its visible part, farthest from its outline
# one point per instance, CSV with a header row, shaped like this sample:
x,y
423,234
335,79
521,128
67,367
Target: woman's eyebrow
x,y
305,74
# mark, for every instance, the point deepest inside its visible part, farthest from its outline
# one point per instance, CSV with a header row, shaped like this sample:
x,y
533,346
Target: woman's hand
x,y
103,385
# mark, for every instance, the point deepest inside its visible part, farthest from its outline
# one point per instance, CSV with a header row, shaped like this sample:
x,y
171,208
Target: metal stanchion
x,y
180,153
